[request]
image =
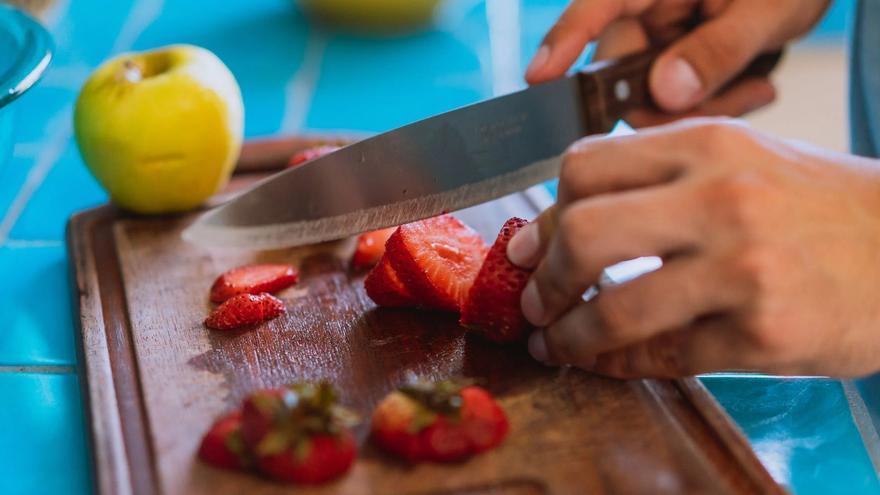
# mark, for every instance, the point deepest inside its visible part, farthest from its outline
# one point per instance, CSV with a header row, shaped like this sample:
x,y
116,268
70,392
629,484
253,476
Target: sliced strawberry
x,y
298,433
370,248
222,445
245,310
253,279
492,307
319,459
440,422
310,154
483,419
437,260
385,288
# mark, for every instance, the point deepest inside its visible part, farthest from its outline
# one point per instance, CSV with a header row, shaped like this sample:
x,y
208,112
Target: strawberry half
x,y
299,433
310,154
253,279
439,422
492,307
222,446
370,248
245,310
437,260
385,288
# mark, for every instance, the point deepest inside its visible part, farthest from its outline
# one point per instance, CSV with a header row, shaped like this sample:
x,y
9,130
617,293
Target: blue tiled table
x,y
297,76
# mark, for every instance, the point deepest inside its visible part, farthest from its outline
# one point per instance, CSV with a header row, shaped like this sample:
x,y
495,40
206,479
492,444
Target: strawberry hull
x,y
325,458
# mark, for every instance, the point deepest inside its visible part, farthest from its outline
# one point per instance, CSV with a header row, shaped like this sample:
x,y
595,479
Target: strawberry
x,y
492,307
245,310
310,154
253,279
370,248
440,422
385,288
437,260
299,433
222,446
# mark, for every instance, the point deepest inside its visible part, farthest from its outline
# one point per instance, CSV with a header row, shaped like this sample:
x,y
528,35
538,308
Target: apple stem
x,y
131,71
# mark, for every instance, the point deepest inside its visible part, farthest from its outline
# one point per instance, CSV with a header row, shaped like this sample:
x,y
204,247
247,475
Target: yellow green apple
x,y
373,13
161,130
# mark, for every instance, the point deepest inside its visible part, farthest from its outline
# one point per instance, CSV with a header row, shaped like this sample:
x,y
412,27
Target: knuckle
x,y
577,227
571,171
612,317
739,201
756,267
720,136
768,334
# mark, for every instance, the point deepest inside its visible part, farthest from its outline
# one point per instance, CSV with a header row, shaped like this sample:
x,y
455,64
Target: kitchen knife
x,y
444,163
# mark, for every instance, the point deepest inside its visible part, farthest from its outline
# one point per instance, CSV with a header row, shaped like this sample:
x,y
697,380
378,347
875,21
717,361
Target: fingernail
x,y
678,85
532,306
538,346
523,248
538,61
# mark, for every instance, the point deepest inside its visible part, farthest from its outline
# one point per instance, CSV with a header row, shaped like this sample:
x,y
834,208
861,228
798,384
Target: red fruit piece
x,y
222,446
253,279
492,307
370,248
299,433
310,154
440,422
437,260
244,310
385,288
319,459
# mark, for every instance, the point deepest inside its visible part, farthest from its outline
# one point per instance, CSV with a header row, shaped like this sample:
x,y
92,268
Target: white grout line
x,y
61,134
862,419
50,370
38,243
300,88
503,17
139,18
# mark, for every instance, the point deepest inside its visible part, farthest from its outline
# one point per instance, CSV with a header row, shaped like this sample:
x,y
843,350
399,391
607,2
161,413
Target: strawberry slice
x,y
385,288
245,310
439,422
222,445
253,279
310,154
437,260
492,307
370,248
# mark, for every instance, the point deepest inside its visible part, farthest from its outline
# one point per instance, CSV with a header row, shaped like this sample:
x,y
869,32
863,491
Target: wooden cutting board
x,y
154,378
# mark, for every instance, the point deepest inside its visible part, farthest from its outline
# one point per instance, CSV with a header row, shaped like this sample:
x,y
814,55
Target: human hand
x,y
771,256
692,75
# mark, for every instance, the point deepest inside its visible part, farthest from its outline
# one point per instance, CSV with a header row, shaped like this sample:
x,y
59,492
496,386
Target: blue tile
x,y
802,430
35,304
68,188
42,439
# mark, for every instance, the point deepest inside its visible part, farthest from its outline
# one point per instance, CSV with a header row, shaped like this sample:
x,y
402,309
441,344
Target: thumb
x,y
529,244
700,63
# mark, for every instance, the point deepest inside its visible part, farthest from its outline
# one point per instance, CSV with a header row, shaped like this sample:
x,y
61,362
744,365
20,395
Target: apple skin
x,y
160,130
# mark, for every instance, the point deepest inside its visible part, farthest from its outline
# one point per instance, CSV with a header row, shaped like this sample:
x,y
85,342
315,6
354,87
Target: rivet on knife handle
x,y
611,88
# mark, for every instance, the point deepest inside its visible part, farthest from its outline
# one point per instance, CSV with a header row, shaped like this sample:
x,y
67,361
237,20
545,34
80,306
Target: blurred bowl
x,y
373,14
26,49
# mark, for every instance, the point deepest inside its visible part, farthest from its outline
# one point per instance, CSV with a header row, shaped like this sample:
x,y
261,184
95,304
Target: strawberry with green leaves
x,y
299,433
446,421
222,446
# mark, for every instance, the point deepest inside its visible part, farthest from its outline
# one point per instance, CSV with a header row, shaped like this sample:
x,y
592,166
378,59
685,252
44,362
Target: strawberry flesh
x,y
222,445
492,307
245,310
310,154
437,260
385,288
370,248
253,279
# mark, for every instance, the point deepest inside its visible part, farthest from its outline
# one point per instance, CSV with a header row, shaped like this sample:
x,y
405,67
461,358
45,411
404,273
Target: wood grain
x,y
155,378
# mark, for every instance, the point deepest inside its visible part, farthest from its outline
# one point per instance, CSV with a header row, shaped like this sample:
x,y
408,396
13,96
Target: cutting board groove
x,y
154,378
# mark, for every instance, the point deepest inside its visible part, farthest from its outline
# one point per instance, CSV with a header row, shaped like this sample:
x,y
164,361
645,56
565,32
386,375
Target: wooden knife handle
x,y
611,88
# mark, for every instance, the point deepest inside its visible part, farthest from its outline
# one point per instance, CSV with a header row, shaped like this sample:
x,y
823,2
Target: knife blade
x,y
444,163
